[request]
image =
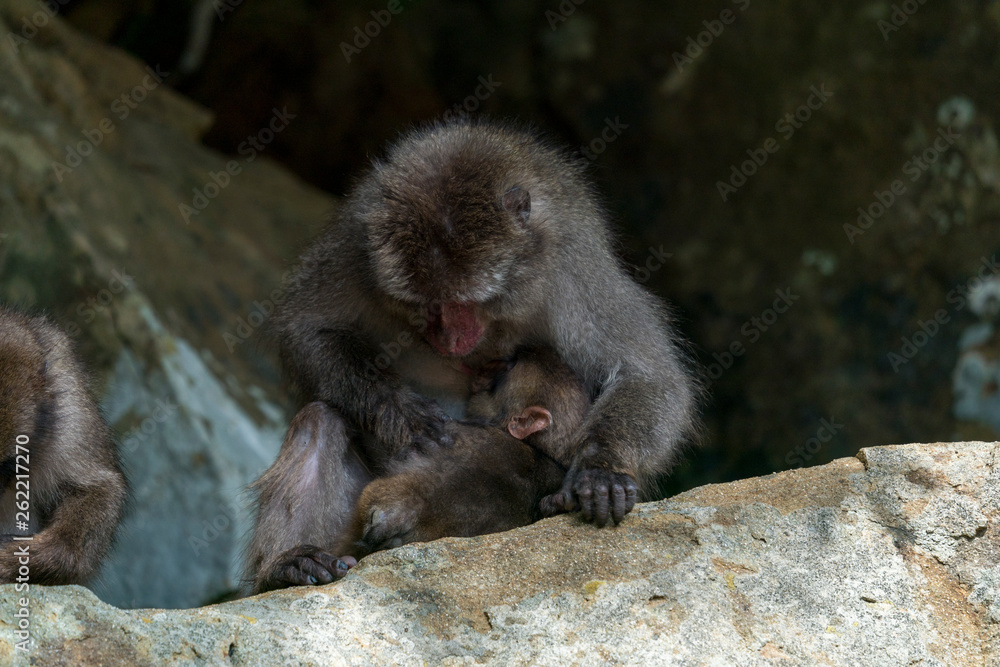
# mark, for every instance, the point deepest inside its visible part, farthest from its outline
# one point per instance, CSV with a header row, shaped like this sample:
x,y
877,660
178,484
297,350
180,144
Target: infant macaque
x,y
512,452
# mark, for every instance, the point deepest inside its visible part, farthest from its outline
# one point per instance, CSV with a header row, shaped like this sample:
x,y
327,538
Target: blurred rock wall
x,y
163,260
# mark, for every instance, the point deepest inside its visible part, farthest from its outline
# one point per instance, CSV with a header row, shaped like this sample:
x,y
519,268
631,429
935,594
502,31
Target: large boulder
x,y
890,558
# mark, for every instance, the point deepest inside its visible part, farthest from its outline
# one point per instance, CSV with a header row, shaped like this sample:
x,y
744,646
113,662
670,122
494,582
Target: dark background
x,y
570,68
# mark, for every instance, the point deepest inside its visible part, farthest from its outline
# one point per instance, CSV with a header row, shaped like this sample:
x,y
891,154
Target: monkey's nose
x,y
458,330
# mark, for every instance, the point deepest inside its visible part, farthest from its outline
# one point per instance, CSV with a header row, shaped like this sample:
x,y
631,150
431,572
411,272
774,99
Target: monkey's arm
x,y
77,534
629,441
645,411
71,485
332,363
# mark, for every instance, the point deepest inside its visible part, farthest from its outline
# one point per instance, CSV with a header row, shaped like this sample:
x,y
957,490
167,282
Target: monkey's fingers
x,y
605,496
429,426
584,487
563,500
425,443
624,495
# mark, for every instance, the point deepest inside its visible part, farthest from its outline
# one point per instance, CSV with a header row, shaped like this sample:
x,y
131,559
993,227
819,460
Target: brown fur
x,y
76,486
485,482
489,480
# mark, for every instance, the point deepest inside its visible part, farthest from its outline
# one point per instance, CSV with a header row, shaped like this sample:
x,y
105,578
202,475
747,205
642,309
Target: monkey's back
x,y
22,378
46,406
488,481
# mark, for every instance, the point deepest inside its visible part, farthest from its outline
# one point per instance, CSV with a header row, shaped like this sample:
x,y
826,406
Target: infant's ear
x,y
531,420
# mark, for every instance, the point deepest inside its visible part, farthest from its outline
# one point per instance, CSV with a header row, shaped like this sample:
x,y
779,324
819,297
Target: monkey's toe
x,y
388,527
557,503
307,566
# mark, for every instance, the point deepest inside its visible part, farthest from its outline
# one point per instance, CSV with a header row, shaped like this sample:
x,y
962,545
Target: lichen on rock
x,y
889,558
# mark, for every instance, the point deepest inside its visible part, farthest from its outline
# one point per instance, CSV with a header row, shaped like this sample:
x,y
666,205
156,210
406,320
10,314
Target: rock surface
x,y
97,159
890,558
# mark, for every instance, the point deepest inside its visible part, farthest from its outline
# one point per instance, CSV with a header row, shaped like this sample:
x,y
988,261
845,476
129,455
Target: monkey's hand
x,y
600,495
304,566
415,423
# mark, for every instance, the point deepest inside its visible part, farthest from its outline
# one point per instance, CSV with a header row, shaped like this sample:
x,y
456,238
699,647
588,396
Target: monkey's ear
x,y
531,420
517,200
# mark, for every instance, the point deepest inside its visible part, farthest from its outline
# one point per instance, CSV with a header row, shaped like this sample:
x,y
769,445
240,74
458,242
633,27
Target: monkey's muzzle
x,y
456,330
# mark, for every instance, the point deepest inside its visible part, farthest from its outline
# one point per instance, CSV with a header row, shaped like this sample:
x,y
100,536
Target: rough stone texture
x,y
890,558
164,309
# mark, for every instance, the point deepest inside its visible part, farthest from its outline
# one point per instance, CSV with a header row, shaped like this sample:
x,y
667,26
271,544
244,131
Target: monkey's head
x,y
535,397
451,231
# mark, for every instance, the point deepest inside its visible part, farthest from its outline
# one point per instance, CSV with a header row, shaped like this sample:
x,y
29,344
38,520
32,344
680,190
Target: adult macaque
x,y
60,478
467,242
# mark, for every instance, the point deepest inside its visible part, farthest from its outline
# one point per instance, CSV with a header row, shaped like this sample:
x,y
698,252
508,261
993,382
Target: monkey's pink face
x,y
450,255
455,329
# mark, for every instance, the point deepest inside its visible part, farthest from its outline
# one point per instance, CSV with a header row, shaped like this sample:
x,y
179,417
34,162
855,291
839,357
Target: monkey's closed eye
x,y
491,375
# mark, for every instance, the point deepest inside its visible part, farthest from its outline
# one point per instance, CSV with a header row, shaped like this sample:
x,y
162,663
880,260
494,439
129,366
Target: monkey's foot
x,y
390,524
557,503
305,566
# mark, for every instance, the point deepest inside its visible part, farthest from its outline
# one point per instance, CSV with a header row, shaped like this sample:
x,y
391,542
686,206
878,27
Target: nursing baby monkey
x,y
508,457
505,461
466,243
